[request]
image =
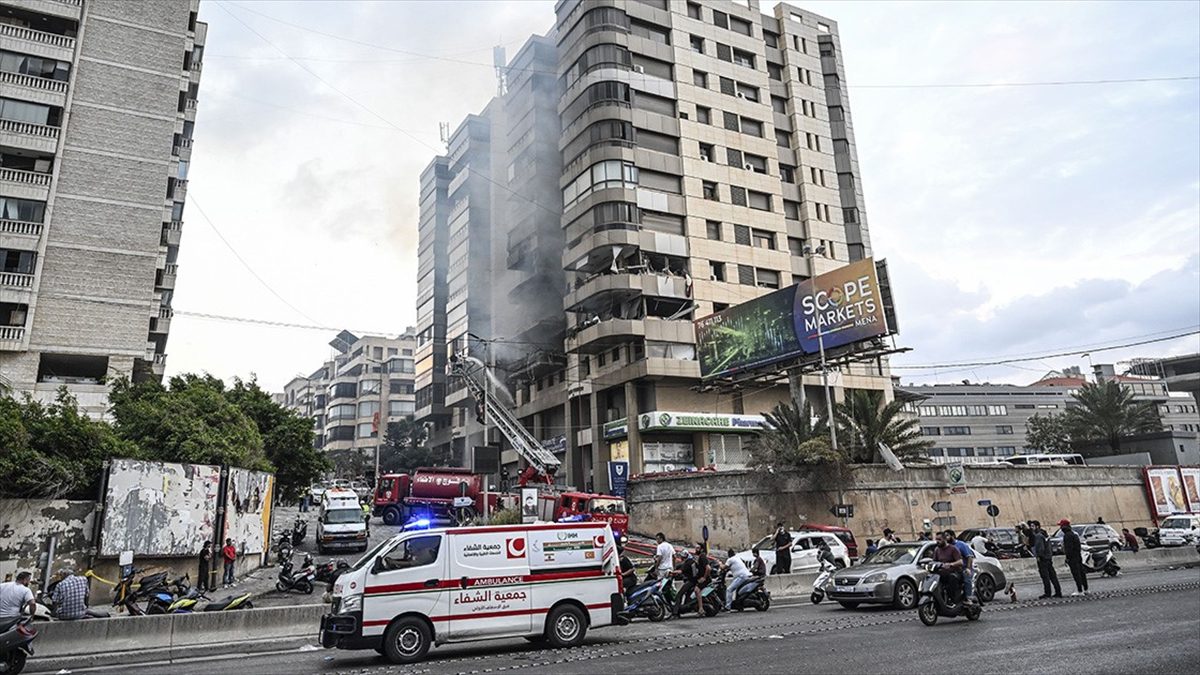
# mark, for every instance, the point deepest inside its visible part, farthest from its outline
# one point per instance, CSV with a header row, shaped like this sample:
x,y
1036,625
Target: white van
x,y
548,581
1179,529
341,522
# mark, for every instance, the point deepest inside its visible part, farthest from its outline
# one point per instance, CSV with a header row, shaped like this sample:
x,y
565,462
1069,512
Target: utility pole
x,y
809,252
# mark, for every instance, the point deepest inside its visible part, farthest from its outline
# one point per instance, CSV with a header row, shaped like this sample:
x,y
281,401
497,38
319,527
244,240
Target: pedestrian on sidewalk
x,y
1045,562
1073,550
205,567
1131,542
871,547
229,555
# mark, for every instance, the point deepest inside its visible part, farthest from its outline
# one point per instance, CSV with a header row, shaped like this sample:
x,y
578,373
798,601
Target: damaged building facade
x,y
646,164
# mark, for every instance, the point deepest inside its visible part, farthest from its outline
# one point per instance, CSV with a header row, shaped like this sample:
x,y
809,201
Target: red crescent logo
x,y
516,547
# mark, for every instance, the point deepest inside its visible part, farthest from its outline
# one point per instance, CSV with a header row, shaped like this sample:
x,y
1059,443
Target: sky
x,y
1016,220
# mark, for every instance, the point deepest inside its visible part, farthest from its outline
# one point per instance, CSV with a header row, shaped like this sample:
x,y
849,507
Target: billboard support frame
x,y
782,372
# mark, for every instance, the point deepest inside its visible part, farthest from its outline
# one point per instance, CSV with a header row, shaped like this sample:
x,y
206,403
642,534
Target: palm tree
x,y
865,425
1106,411
792,438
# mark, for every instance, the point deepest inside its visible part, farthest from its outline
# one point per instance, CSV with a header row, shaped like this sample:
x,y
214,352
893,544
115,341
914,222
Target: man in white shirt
x,y
15,596
979,543
664,557
741,575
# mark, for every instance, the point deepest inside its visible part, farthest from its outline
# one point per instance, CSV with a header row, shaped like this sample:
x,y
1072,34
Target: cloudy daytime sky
x,y
1017,220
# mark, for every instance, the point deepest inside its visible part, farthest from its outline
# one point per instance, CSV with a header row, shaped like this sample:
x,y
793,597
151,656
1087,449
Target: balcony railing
x,y
22,33
28,128
170,268
160,359
185,142
20,227
190,104
165,313
23,80
11,333
14,280
25,177
175,225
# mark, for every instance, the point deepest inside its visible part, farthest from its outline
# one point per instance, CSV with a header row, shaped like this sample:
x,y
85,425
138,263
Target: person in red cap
x,y
1073,551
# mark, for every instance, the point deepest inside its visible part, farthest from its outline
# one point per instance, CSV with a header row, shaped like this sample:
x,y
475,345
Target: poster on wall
x,y
248,509
529,505
158,508
618,478
1164,490
1191,486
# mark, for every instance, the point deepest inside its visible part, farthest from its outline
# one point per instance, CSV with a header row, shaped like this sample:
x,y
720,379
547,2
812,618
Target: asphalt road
x,y
1138,623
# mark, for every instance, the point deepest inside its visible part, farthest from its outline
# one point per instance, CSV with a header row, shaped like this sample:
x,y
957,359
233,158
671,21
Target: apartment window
x,y
752,127
697,44
747,92
798,279
998,410
720,19
931,431
779,105
17,262
401,408
791,209
368,408
344,411
817,175
823,27
741,235
720,307
1004,429
724,52
707,152
20,111
796,246
737,195
713,228
763,239
743,58
24,210
703,115
957,431
783,138
36,66
766,278
787,173
709,190
850,215
600,176
731,121
774,71
772,39
693,10
755,163
366,430
718,270
740,26
857,251
759,200
700,78
597,57
745,275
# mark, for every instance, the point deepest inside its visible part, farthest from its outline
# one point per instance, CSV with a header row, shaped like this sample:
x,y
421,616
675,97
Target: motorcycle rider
x,y
825,554
734,565
968,556
758,566
696,575
952,564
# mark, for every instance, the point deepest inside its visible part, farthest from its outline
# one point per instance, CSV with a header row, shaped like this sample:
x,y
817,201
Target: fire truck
x,y
433,493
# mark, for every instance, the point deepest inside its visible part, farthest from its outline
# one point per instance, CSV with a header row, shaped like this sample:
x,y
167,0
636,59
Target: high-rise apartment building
x,y
352,397
705,157
97,106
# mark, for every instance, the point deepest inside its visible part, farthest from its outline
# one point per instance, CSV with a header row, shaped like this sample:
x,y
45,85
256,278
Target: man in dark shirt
x,y
695,572
952,565
1073,551
783,550
1045,562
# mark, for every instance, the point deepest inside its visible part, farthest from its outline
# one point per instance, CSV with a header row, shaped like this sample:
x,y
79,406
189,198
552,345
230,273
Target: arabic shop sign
x,y
616,428
686,421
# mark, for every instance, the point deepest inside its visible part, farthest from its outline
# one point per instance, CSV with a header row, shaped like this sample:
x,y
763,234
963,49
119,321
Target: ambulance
x,y
546,582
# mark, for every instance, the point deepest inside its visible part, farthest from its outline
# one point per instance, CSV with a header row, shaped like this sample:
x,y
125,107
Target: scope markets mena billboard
x,y
840,307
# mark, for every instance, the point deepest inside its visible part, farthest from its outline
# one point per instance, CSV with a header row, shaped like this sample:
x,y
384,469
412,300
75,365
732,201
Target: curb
x,y
167,656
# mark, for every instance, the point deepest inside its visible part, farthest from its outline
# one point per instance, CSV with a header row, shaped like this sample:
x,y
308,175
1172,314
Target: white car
x,y
1179,530
804,550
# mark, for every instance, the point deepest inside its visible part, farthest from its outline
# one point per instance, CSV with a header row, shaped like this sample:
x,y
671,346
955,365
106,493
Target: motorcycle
x,y
229,603
299,530
328,571
753,593
932,601
16,643
126,594
1100,560
822,584
646,599
299,581
1149,539
283,547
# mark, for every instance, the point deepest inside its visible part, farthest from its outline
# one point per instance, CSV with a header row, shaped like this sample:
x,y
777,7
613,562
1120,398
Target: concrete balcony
x,y
66,9
26,136
158,364
14,280
657,285
19,234
16,288
162,322
36,42
605,334
25,184
12,338
34,89
180,192
172,232
167,279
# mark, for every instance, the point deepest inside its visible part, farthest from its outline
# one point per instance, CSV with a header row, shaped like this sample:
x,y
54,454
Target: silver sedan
x,y
891,575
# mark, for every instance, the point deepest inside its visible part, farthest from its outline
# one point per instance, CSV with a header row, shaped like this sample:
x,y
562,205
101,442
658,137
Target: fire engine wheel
x,y
566,626
406,641
391,517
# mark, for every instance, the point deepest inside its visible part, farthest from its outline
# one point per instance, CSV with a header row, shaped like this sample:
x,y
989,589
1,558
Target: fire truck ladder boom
x,y
528,447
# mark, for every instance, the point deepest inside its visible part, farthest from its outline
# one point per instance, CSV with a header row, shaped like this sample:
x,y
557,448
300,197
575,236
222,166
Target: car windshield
x,y
607,506
1176,524
896,554
343,516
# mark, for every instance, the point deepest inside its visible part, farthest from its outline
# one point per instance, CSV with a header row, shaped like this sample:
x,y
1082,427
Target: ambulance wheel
x,y
406,641
566,626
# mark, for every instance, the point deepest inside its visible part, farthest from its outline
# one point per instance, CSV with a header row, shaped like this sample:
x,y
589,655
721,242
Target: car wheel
x,y
566,626
905,595
848,604
406,641
985,588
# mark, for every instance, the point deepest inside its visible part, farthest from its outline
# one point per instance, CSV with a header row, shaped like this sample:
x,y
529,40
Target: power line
x,y
1048,83
1045,356
321,117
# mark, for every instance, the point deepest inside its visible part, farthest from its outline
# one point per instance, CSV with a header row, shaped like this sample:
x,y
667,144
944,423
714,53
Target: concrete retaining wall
x,y
740,507
27,524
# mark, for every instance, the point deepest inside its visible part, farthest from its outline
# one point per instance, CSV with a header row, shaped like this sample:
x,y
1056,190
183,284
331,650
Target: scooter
x,y
932,601
646,600
328,571
1149,539
299,530
230,603
1100,561
126,593
283,547
753,593
16,643
300,581
823,583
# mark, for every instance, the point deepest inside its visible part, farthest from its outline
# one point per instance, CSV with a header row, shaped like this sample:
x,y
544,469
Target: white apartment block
x,y
97,107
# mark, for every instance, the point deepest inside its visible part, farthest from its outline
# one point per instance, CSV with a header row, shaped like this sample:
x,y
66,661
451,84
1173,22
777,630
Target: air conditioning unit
x,y
639,69
749,167
704,156
741,95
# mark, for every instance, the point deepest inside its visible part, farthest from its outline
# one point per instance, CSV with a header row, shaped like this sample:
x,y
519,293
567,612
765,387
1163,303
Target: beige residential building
x,y
97,106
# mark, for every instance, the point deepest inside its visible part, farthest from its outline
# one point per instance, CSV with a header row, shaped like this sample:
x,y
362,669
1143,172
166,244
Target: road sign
x,y
956,476
842,510
941,506
984,502
993,510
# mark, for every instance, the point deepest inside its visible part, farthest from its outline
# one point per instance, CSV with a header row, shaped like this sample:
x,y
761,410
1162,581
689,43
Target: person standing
x,y
871,547
783,549
229,555
889,537
15,597
1073,551
1131,541
664,557
1045,562
205,567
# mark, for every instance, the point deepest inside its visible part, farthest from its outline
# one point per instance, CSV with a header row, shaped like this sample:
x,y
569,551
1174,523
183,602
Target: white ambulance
x,y
341,522
548,582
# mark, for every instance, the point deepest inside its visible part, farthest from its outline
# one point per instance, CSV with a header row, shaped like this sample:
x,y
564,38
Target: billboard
x,y
248,509
840,307
159,508
1165,491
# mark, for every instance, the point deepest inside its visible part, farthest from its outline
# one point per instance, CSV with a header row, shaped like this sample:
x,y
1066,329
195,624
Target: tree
x,y
792,439
1106,411
865,425
404,448
1048,433
287,438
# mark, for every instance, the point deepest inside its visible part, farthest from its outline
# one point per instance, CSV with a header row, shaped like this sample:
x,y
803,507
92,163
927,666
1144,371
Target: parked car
x,y
840,532
361,489
1095,535
317,491
892,575
804,550
1005,543
1179,530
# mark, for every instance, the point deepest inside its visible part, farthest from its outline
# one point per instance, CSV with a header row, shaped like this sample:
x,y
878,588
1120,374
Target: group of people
x,y
1038,539
696,570
69,593
229,556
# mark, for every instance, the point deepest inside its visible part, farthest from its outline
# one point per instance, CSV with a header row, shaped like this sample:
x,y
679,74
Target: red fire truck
x,y
443,493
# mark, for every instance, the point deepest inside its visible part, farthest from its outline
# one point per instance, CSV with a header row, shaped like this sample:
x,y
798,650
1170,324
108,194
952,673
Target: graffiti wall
x,y
26,526
248,509
159,509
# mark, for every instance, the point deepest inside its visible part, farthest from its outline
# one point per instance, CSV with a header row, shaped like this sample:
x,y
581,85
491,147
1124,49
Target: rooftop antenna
x,y
500,61
444,133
